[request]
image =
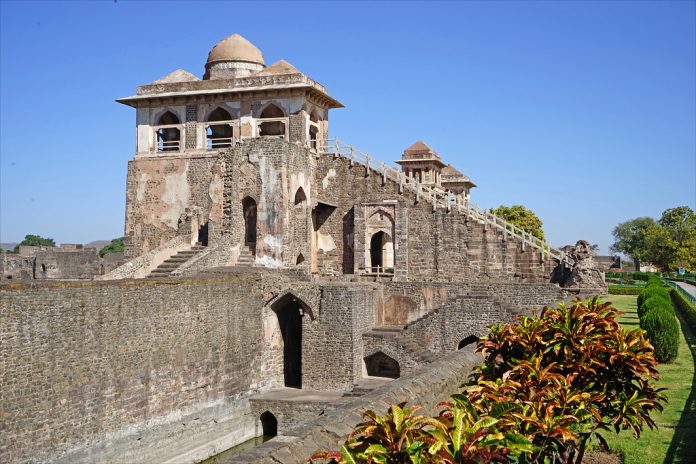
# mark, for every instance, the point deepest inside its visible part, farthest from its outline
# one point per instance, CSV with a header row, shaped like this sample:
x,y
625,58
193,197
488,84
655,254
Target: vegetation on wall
x,y
116,246
35,240
522,217
668,243
549,384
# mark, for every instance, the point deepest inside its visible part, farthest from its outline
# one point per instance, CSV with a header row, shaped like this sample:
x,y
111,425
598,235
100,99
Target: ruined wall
x,y
89,363
270,171
427,387
131,371
430,245
160,189
75,264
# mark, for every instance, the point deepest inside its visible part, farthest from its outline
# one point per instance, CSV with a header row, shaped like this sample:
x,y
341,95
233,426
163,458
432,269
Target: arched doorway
x,y
380,248
382,365
269,425
249,210
471,339
289,311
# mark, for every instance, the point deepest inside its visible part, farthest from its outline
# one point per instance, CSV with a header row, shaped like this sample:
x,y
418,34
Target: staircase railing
x,y
439,198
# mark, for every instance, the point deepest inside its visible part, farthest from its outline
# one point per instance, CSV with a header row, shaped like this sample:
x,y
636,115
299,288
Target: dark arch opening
x,y
382,365
377,243
313,131
272,111
249,210
168,138
269,425
219,135
300,259
203,234
300,197
272,128
467,341
290,311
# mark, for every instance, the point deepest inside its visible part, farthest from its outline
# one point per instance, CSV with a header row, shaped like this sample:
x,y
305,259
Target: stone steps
x,y
174,262
246,259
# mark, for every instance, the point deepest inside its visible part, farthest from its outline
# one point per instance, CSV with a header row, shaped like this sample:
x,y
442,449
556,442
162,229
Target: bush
x,y
662,329
685,307
653,303
642,275
650,291
616,290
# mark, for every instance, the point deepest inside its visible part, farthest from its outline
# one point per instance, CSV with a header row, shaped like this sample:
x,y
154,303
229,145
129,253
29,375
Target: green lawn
x,y
675,439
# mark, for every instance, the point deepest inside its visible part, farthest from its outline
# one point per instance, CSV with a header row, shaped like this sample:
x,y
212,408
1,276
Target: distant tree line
x,y
668,243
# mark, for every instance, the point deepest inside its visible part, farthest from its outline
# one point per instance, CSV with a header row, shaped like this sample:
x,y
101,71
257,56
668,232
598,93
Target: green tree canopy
x,y
669,243
116,246
521,217
35,240
629,238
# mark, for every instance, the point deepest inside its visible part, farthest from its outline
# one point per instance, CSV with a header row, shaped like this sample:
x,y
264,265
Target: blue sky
x,y
584,112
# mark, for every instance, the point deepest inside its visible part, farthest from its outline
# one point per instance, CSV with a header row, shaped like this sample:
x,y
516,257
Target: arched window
x,y
381,252
300,197
219,135
274,126
168,135
272,111
249,211
313,129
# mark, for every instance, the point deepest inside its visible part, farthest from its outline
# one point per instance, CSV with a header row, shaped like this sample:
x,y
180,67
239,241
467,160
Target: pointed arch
x,y
290,312
269,424
300,259
219,135
168,138
272,110
249,213
300,197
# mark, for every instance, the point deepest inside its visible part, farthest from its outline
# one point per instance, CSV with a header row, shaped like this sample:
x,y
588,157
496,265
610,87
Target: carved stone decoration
x,y
586,273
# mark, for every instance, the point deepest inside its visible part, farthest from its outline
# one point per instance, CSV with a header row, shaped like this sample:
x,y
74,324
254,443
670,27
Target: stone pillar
x,y
298,128
191,126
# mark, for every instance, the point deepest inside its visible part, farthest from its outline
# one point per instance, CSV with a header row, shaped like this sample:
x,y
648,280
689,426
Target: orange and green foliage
x,y
548,385
575,372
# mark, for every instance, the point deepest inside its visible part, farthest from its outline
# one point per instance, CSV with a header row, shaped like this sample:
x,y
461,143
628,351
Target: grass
x,y
675,439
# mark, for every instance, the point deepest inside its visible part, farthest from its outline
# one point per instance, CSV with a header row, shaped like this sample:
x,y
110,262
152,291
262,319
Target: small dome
x,y
235,48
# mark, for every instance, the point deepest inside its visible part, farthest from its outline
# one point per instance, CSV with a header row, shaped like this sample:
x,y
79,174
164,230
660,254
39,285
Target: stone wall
x,y
429,245
168,196
132,371
92,367
427,387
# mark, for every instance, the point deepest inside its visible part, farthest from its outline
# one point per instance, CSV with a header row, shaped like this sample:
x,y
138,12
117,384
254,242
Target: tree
x,y
35,240
629,238
116,246
680,226
521,217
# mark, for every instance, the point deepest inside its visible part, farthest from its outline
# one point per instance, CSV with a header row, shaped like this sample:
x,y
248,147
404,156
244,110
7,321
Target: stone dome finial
x,y
233,56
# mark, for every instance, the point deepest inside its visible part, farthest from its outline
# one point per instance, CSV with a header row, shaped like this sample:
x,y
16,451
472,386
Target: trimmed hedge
x,y
650,291
685,307
662,329
653,303
616,290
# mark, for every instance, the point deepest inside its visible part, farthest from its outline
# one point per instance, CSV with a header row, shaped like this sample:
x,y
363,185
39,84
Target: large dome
x,y
235,48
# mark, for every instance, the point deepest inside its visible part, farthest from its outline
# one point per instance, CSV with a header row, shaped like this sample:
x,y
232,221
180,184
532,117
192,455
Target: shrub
x,y
616,290
685,307
574,371
650,291
653,303
662,329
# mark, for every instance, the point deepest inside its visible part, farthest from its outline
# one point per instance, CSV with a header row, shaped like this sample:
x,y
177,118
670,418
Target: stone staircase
x,y
393,334
165,269
246,259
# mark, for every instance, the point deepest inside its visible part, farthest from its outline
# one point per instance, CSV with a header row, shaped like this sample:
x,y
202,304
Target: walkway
x,y
691,289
